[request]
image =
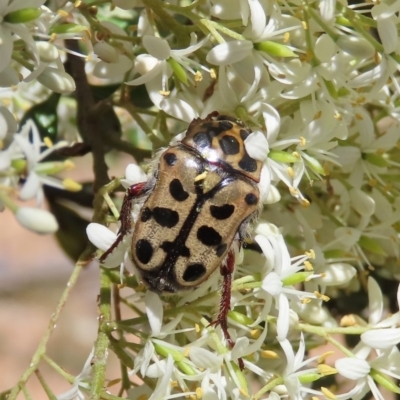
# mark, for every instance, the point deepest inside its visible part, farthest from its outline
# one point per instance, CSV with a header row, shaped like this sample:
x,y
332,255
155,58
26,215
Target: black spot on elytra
x,y
251,199
214,129
220,250
146,214
194,272
165,216
248,164
229,145
170,158
176,190
244,134
144,250
222,212
208,236
202,140
169,246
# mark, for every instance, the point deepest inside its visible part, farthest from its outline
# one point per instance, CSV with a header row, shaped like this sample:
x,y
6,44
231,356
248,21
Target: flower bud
x,y
23,15
47,51
356,46
56,80
36,220
106,52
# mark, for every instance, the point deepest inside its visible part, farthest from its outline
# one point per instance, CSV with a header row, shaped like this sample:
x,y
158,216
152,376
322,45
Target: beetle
x,y
202,197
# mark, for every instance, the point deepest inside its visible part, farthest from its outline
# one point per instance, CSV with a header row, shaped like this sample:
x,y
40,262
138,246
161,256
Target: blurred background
x,y
33,274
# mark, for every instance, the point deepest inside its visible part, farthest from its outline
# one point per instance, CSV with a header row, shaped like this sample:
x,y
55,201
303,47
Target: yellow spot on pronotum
x,y
327,393
201,177
71,185
269,354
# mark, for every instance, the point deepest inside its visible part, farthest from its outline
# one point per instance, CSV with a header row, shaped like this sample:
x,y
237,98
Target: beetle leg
x,y
125,217
226,270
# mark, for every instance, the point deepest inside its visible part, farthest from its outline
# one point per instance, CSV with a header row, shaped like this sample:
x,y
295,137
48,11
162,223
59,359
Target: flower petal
x,y
352,368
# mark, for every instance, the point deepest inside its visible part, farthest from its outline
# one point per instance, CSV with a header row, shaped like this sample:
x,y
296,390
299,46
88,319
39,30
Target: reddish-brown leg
x,y
226,271
132,193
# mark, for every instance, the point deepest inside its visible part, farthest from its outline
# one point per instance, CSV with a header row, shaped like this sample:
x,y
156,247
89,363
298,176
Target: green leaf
x,y
140,97
44,115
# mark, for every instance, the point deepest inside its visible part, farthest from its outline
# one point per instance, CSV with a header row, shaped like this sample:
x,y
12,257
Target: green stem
x,y
169,23
68,377
354,18
102,342
40,351
269,386
45,386
324,332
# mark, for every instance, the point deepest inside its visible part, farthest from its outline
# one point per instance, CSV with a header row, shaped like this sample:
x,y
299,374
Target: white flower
x,y
8,29
157,66
294,369
23,147
278,266
105,239
80,387
37,220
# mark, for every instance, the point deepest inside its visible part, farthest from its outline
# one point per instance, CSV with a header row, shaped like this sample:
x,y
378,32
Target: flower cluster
x,y
318,83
